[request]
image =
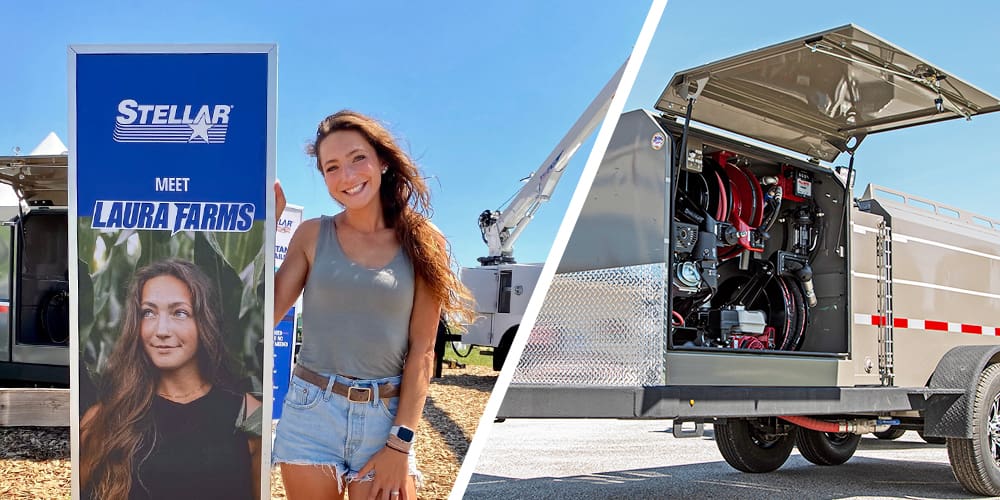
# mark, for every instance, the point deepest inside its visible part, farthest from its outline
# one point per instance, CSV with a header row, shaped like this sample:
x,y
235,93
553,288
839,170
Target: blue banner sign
x,y
284,347
171,167
170,141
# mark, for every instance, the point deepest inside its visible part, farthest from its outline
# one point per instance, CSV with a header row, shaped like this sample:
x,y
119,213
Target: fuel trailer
x,y
34,268
711,279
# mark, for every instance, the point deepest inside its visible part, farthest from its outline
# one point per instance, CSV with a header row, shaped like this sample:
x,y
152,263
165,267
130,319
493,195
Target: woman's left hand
x,y
279,200
391,470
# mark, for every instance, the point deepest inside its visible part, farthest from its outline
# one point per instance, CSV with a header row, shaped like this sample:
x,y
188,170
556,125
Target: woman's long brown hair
x,y
406,208
123,424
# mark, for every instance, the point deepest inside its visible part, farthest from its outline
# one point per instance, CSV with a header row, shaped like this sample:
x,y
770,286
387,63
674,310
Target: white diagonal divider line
x,y
482,434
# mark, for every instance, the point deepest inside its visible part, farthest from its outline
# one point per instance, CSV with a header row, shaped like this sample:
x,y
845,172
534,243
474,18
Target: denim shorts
x,y
320,427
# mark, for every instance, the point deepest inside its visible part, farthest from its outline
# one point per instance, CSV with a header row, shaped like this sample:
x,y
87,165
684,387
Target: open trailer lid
x,y
820,95
38,179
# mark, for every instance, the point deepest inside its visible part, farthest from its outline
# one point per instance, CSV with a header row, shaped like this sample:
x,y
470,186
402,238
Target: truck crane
x,y
501,286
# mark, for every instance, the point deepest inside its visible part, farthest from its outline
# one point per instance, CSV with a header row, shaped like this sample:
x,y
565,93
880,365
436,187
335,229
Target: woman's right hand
x,y
391,475
279,200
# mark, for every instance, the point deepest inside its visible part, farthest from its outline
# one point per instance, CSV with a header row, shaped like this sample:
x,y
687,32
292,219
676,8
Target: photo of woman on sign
x,y
170,421
376,278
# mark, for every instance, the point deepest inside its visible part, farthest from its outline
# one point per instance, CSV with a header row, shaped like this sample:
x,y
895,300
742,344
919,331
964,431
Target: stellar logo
x,y
183,123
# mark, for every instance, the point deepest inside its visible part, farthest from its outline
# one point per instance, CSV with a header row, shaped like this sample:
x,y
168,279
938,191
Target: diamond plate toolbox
x,y
601,327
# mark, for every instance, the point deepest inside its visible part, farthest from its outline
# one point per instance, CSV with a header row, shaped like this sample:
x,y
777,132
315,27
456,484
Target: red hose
x,y
678,317
722,212
814,424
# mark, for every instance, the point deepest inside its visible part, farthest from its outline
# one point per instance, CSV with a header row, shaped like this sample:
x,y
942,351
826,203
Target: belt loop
x,y
374,394
328,392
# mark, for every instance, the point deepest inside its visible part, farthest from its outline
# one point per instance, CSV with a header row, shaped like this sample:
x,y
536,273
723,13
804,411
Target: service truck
x,y
731,276
501,286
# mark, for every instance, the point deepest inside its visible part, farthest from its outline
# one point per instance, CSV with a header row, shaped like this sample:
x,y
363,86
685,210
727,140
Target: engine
x,y
745,234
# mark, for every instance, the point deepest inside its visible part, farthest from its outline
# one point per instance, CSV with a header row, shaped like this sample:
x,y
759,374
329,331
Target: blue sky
x,y
480,92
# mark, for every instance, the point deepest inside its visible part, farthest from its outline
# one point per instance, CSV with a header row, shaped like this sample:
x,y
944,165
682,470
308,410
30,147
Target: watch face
x,y
405,434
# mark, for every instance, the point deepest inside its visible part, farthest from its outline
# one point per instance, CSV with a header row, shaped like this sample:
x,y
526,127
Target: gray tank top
x,y
355,320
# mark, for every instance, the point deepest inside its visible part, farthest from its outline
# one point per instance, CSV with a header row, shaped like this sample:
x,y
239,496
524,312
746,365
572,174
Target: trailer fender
x,y
960,368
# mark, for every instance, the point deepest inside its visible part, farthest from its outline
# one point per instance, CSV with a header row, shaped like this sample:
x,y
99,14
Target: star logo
x,y
199,129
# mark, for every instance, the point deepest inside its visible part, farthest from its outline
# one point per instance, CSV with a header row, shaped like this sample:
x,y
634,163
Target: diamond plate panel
x,y
601,327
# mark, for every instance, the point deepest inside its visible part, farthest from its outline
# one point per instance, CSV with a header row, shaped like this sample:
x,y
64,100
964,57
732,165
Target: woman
x,y
376,278
166,421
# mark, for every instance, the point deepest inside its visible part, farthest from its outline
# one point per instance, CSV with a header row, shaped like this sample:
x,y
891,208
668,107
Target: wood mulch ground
x,y
35,463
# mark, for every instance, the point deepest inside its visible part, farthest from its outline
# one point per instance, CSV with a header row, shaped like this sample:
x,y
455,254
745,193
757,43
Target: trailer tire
x,y
503,348
974,461
827,448
748,449
890,434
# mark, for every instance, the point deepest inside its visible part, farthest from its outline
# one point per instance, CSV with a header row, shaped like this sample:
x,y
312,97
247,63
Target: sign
x,y
171,162
284,349
290,219
284,333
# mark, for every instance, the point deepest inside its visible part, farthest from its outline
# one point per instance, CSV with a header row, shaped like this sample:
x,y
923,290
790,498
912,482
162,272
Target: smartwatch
x,y
404,433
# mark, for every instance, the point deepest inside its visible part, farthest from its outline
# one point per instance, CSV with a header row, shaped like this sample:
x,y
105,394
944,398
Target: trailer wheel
x,y
750,448
890,434
827,448
976,461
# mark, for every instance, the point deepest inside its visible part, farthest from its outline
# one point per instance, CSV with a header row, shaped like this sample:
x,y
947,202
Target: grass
x,y
477,357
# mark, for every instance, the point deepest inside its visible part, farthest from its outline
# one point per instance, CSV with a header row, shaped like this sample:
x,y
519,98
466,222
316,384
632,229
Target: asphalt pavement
x,y
581,458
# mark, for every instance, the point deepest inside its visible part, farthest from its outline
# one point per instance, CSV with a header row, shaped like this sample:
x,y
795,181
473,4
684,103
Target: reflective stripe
x,y
927,324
